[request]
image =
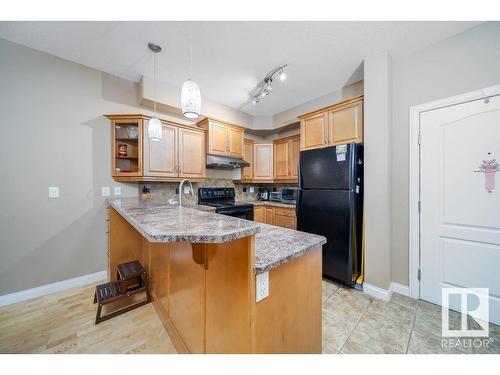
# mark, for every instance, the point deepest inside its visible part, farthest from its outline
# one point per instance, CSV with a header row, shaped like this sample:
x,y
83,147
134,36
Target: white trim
x,y
414,170
400,289
43,290
377,292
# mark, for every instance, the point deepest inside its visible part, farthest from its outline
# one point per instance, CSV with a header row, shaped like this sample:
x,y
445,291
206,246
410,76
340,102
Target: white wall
x,y
463,63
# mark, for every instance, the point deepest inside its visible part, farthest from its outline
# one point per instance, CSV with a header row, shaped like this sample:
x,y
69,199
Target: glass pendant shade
x,y
190,99
154,129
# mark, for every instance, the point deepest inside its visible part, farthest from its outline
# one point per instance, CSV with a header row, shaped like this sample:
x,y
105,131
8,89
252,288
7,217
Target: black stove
x,y
223,201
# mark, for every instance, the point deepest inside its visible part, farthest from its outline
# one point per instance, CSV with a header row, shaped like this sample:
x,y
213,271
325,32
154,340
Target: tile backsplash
x,y
165,191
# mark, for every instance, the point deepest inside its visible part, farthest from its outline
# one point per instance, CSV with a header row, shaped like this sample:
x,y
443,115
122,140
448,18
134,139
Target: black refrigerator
x,y
330,203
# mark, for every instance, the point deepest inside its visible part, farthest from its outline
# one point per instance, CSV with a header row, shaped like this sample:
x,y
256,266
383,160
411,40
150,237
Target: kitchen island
x,y
203,268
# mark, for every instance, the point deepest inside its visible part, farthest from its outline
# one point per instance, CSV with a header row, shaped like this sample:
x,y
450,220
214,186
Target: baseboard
x,y
404,290
23,295
377,292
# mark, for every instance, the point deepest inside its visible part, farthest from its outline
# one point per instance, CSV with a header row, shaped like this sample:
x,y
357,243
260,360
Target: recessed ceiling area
x,y
231,58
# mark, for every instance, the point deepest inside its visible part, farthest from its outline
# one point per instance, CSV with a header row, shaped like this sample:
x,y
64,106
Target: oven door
x,y
239,212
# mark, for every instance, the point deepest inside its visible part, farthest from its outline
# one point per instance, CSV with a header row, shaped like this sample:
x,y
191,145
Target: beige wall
x,y
463,63
377,173
53,133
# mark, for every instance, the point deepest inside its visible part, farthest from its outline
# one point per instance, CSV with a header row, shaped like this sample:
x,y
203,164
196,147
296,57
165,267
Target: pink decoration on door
x,y
489,168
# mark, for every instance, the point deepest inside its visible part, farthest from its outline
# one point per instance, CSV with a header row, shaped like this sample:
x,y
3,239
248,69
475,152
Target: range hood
x,y
223,162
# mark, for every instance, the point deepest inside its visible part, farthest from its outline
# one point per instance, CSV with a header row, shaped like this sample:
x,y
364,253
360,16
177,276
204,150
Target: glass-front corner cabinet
x,y
126,146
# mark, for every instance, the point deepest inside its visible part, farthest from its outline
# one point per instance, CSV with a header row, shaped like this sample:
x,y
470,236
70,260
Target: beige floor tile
x,y
375,334
337,326
328,289
493,345
404,301
421,343
328,349
394,311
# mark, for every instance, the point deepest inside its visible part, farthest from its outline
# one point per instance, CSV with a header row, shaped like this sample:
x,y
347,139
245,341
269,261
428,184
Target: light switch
x,y
262,286
105,191
53,191
117,190
251,189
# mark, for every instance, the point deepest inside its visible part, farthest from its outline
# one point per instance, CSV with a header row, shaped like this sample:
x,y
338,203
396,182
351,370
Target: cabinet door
x,y
346,124
191,154
217,139
259,215
126,136
294,157
263,161
246,173
285,221
314,132
269,215
235,142
281,161
160,157
187,294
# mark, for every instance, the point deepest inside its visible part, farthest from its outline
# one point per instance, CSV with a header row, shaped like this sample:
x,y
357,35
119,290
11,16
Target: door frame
x,y
415,171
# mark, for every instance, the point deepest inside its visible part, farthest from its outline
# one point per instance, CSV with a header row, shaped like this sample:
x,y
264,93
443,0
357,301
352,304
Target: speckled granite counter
x,y
271,204
275,246
161,222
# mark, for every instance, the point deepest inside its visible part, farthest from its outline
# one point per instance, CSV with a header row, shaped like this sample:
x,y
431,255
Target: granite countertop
x,y
163,222
275,246
271,204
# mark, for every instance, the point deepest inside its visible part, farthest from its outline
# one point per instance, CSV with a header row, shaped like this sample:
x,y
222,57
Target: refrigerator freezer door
x,y
329,213
327,168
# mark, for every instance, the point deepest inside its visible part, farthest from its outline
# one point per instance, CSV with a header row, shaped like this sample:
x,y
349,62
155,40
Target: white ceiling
x,y
231,58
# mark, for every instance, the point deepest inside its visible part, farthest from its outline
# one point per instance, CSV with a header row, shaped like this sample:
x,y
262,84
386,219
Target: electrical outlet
x,y
244,189
117,190
187,189
53,191
262,286
105,191
251,189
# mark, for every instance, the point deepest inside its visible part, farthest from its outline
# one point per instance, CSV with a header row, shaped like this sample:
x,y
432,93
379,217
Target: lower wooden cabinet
x,y
279,216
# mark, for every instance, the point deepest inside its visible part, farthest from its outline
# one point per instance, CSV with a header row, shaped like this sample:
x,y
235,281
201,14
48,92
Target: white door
x,y
460,212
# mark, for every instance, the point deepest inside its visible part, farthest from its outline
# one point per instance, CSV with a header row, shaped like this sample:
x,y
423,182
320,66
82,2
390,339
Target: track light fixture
x,y
266,87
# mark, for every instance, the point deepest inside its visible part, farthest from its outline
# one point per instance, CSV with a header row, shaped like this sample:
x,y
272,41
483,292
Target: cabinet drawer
x,y
285,221
284,211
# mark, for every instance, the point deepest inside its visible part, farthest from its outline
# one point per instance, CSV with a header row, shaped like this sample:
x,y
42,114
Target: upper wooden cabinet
x,y
262,161
337,124
223,139
286,157
179,154
247,172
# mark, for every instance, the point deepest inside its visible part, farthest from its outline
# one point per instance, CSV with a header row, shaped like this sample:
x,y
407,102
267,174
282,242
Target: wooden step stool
x,y
131,279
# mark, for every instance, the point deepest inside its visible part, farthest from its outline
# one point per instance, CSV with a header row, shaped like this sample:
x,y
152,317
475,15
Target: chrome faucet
x,y
180,190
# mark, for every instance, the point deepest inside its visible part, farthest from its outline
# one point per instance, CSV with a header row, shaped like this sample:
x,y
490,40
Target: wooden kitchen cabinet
x,y
224,139
247,172
179,154
262,161
337,124
286,156
259,214
269,215
191,154
314,131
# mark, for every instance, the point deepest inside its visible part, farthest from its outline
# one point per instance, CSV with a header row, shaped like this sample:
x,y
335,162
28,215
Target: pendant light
x,y
154,125
190,94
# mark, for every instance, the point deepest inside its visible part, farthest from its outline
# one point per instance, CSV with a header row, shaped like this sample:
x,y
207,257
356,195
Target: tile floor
x,y
354,322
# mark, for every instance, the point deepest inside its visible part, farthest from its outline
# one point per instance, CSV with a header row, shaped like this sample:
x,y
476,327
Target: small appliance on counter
x,y
275,196
264,194
289,195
